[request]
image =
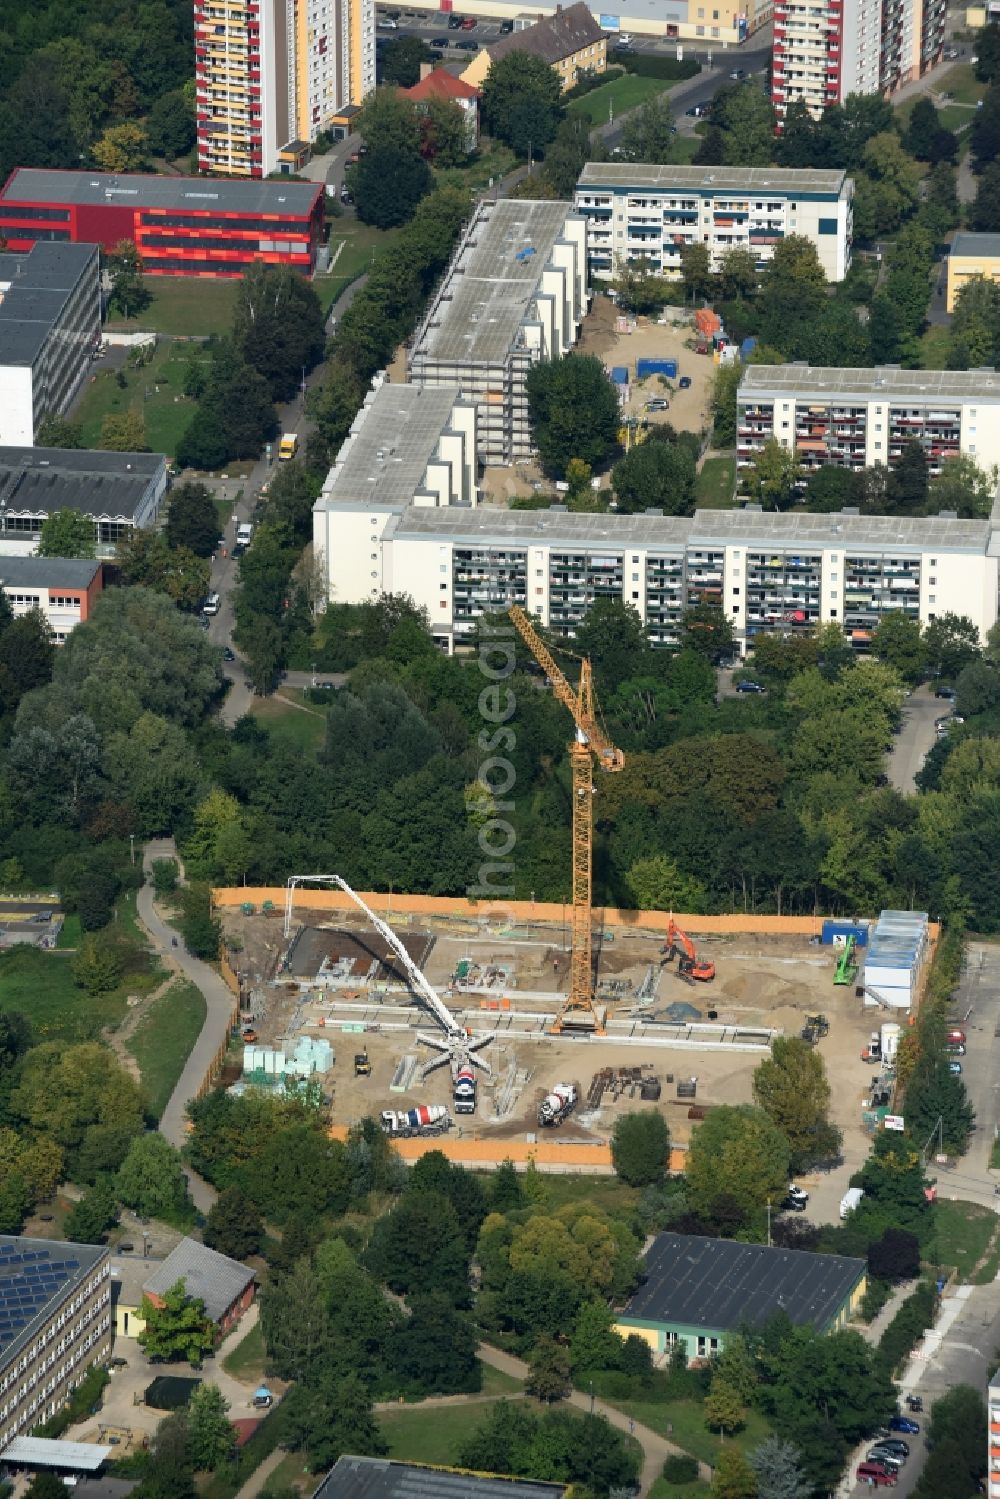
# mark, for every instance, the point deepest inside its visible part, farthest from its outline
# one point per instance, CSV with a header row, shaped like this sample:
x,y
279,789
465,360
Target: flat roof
x,y
142,190
44,1452
47,572
379,1478
711,178
965,243
720,1284
490,282
36,1277
37,481
40,285
706,528
384,457
867,384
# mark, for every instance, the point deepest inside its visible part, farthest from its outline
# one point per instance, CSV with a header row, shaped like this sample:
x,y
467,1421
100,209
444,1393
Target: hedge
x,y
908,1326
646,65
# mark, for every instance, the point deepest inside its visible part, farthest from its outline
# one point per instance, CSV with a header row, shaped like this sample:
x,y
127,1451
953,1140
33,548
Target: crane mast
x,y
590,744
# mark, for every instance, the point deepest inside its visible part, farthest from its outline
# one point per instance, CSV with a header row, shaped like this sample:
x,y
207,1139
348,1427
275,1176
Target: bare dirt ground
x,y
766,982
688,410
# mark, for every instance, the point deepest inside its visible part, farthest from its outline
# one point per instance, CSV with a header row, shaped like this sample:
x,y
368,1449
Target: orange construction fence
x,y
516,911
486,1155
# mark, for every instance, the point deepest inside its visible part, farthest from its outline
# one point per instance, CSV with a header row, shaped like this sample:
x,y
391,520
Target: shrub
x,y
645,65
908,1326
679,1468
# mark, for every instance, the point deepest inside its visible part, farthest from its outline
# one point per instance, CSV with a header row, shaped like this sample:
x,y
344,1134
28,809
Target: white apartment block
x,y
408,446
769,572
515,293
827,49
635,211
271,74
50,328
855,418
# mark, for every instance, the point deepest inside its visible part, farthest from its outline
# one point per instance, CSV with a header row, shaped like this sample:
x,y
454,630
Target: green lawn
x,y
496,1382
683,152
683,1421
163,1039
185,305
716,481
40,986
696,1490
935,347
70,934
620,94
963,1232
246,1362
362,245
604,1192
289,725
157,390
488,165
431,1436
292,1473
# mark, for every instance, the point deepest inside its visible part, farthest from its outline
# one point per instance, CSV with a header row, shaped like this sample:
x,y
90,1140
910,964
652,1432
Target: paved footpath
x,y
655,1449
218,1013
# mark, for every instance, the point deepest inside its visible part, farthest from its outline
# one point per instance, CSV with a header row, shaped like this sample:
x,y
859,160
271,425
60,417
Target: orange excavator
x,y
679,945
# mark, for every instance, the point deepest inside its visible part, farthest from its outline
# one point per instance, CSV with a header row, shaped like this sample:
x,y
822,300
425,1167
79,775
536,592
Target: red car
x,y
469,23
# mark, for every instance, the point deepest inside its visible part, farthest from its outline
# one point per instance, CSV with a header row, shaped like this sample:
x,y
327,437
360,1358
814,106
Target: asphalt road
x,y
915,738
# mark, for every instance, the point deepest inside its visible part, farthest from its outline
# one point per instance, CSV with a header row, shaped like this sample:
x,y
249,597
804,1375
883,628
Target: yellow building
x,y
570,41
972,255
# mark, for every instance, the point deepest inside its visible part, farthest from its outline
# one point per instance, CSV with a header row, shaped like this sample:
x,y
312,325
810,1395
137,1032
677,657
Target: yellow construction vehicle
x,y
591,743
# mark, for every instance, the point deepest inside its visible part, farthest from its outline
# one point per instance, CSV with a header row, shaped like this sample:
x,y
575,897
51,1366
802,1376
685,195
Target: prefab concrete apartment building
x,y
827,49
50,326
55,1321
635,211
769,572
514,293
855,418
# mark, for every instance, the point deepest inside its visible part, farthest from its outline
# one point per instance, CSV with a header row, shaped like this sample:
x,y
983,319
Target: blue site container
x,y
831,930
645,367
619,374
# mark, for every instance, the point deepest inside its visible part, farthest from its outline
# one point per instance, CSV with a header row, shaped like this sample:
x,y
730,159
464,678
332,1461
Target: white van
x,y
244,533
211,604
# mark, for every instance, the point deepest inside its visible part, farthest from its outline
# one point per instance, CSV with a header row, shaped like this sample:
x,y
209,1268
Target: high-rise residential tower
x,y
271,74
827,49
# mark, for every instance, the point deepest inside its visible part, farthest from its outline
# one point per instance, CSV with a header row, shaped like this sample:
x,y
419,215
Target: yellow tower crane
x,y
591,743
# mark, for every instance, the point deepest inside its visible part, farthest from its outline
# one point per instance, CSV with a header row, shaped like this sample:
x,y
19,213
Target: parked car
x,y
386,23
698,111
799,1193
951,54
440,41
738,74
904,1423
893,1444
467,45
947,692
684,382
211,604
346,197
952,1049
795,1202
454,22
228,654
506,27
238,551
659,403
469,23
354,158
749,687
876,1476
955,1068
880,1454
624,39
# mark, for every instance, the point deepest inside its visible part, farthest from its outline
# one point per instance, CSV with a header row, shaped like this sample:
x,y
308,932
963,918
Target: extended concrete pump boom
x,y
456,1046
591,743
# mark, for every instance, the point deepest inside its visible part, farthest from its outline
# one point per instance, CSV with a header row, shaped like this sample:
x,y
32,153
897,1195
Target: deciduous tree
x,y
521,102
68,533
192,519
573,409
549,1377
739,1153
210,1434
151,1178
640,1148
791,1087
177,1328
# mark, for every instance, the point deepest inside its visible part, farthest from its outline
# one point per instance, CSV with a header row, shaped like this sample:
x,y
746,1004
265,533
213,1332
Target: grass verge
x,y
187,306
419,1436
496,1382
70,932
683,1422
715,486
162,1041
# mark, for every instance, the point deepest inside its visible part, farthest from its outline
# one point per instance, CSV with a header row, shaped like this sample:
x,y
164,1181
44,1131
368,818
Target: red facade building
x,y
181,226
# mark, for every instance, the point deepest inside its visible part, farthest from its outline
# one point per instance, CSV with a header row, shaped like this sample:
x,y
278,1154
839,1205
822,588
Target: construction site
x,y
665,1040
499,1023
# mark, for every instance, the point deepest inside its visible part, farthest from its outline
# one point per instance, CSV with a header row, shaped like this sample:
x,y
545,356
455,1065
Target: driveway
x,y
915,738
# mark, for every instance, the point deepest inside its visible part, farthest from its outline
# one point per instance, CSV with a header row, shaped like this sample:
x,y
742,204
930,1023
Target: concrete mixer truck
x,y
557,1105
425,1119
